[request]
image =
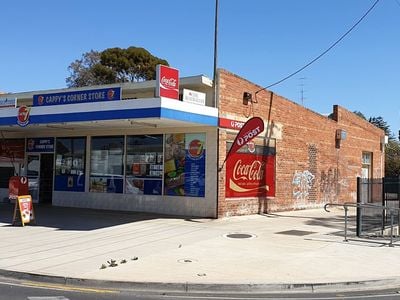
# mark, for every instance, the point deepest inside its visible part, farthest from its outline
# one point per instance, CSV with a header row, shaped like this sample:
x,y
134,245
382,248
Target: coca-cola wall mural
x,y
250,172
184,167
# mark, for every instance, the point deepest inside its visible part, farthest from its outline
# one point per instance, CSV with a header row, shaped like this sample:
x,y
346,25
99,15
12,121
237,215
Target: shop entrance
x,y
40,176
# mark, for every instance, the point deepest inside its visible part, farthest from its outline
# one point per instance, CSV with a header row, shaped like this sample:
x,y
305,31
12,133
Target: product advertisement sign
x,y
250,175
185,164
40,145
76,97
195,164
26,208
167,82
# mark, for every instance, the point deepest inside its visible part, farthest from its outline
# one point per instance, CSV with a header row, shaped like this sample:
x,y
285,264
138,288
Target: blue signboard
x,y
40,144
76,97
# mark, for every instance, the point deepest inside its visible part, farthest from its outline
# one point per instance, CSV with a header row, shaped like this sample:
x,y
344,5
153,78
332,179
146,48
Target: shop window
x,y
70,164
12,150
184,166
106,164
144,164
5,174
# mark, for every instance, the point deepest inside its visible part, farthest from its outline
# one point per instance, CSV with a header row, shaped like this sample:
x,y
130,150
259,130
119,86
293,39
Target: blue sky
x,y
261,40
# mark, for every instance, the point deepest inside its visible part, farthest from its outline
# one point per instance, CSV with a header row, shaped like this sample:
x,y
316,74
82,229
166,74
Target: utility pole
x,y
215,53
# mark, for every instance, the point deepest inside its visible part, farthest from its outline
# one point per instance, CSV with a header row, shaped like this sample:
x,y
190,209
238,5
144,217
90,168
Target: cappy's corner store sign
x,y
86,96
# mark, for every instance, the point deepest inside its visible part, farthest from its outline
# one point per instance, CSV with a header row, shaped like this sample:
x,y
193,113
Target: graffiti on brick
x,y
328,184
302,184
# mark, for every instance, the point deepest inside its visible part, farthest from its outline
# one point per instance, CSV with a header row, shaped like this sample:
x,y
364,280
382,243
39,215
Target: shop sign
x,y
252,128
167,82
40,145
194,97
230,124
77,97
23,116
8,102
250,175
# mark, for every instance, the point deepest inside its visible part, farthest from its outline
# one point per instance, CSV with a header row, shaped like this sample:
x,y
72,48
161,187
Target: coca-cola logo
x,y
250,172
250,175
169,83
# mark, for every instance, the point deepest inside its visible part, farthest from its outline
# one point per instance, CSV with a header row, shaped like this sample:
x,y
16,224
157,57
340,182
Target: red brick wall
x,y
306,149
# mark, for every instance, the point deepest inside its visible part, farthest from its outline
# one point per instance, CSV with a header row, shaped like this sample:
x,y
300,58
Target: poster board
x,y
23,210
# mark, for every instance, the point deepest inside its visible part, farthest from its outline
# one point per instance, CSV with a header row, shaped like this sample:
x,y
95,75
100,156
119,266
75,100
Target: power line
x,y
323,53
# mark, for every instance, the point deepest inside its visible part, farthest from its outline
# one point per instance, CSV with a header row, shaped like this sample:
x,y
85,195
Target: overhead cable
x,y
323,53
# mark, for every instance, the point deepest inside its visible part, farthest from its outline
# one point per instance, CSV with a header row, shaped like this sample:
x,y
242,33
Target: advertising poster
x,y
195,173
26,208
250,175
184,166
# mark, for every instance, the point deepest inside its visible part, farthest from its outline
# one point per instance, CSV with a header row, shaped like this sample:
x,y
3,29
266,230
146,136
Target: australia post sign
x,y
250,175
167,82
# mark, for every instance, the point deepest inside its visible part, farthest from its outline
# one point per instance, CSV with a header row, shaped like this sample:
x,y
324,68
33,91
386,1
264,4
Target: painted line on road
x,y
59,287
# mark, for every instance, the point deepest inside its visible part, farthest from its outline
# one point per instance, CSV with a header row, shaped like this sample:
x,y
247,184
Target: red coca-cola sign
x,y
250,175
167,80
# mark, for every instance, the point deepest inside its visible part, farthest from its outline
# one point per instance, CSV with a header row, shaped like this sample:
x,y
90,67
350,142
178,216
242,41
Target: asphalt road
x,y
29,290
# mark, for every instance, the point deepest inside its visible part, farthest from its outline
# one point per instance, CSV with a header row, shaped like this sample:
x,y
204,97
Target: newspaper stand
x,y
19,192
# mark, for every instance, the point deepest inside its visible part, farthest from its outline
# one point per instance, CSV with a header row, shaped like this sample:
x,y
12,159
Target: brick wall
x,y
311,168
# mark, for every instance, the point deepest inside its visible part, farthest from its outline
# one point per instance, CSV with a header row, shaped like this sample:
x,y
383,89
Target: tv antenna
x,y
302,98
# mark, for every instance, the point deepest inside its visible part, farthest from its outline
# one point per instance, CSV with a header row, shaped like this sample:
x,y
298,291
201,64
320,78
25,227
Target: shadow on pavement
x,y
81,219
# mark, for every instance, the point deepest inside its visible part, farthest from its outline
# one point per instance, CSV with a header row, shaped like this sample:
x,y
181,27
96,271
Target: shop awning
x,y
145,112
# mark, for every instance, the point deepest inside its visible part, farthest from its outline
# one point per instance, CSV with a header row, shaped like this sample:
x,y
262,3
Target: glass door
x,y
33,172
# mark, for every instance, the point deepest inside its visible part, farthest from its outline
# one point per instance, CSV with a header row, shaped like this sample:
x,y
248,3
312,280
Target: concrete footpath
x,y
299,250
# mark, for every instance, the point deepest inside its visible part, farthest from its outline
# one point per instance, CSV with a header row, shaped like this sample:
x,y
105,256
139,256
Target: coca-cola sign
x,y
167,80
250,175
252,128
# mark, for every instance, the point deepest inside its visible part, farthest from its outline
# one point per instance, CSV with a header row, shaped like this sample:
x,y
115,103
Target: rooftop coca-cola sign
x,y
167,82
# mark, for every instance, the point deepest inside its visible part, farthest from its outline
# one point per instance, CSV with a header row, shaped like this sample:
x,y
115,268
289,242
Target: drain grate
x,y
239,235
295,232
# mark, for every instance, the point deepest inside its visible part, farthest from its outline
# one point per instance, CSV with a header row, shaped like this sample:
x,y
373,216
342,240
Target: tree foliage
x,y
113,65
392,159
360,114
380,123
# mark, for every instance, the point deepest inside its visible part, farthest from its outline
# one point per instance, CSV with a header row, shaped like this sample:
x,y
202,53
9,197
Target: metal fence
x,y
377,193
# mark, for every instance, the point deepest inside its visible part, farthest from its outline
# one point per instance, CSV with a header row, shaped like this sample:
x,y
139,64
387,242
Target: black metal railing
x,y
392,212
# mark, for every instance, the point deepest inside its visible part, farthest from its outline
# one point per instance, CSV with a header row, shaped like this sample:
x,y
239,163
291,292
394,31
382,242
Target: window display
x,y
144,164
70,164
185,164
106,164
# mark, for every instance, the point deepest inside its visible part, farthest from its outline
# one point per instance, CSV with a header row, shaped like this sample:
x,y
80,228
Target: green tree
x,y
113,65
380,123
392,159
360,114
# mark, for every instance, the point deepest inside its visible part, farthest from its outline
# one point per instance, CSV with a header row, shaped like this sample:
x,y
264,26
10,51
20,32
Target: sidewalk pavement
x,y
298,250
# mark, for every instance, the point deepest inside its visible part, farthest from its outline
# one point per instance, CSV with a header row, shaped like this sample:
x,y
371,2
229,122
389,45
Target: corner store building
x,y
155,154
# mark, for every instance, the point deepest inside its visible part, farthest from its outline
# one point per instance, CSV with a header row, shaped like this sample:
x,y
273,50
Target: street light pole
x,y
215,53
